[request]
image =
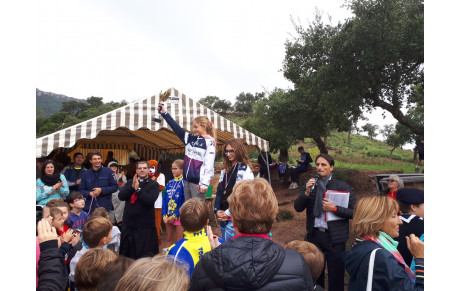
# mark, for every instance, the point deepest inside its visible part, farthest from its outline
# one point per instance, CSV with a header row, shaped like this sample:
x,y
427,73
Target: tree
x,y
374,59
387,130
244,102
94,102
269,121
378,56
74,107
216,104
371,130
395,140
306,64
208,101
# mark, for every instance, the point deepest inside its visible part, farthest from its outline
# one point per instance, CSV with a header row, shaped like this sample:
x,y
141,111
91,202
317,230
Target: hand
x,y
203,189
221,216
78,182
165,220
309,185
135,184
213,240
97,192
171,219
76,238
327,205
161,108
415,246
57,186
68,235
45,231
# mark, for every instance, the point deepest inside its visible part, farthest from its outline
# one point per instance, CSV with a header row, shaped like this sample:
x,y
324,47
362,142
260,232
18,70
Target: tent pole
x,y
268,167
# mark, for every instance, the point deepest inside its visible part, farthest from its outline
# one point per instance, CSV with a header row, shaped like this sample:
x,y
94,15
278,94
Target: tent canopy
x,y
131,126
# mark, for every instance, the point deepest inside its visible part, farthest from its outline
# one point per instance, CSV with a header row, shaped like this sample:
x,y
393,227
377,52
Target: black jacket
x,y
251,263
142,212
388,274
338,229
51,267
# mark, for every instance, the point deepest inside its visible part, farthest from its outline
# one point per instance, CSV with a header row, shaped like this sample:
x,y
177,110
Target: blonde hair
x,y
210,128
311,254
90,267
371,213
154,274
253,206
179,163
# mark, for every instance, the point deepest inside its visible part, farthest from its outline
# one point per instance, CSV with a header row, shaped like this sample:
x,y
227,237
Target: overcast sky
x,y
133,49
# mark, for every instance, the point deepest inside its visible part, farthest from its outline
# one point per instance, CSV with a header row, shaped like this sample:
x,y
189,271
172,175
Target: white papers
x,y
338,198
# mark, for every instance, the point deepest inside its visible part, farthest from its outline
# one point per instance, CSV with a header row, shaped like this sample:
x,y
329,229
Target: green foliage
x,y
374,59
72,112
244,102
370,129
216,104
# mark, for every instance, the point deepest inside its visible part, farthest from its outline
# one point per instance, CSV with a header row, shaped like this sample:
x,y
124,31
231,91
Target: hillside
x,y
51,103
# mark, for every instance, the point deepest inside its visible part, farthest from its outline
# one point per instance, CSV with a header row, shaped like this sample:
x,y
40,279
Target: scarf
x,y
320,189
51,180
385,241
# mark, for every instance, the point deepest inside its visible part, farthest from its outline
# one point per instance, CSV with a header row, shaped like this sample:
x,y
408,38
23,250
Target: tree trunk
x,y
391,152
321,146
325,142
284,156
349,137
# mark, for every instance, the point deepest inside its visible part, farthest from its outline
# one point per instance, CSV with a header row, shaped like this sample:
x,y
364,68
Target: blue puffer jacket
x,y
102,178
389,274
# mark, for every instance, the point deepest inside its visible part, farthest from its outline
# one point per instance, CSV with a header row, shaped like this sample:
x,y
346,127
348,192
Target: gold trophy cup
x,y
163,97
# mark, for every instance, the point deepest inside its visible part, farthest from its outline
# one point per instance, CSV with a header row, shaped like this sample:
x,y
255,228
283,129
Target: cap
x,y
410,196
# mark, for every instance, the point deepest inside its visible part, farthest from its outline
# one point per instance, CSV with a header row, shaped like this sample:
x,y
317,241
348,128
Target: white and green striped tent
x,y
132,126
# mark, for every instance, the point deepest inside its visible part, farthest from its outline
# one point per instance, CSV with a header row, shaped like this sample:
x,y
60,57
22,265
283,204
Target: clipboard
x,y
338,198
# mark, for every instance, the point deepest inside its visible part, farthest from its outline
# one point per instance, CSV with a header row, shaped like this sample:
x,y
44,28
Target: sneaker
x,y
295,186
165,250
290,186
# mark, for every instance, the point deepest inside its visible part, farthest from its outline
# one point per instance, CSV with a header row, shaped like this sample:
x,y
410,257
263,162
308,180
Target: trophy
x,y
163,97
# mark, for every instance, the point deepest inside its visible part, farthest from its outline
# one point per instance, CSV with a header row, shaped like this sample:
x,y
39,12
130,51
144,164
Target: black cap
x,y
410,196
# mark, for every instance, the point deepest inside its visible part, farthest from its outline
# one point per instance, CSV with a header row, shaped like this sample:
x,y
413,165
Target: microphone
x,y
313,186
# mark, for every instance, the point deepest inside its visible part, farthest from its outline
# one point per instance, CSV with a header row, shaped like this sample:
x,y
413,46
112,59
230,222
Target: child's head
x,y
312,255
100,212
194,214
90,266
154,274
76,200
61,204
234,151
113,272
97,232
176,168
202,126
57,217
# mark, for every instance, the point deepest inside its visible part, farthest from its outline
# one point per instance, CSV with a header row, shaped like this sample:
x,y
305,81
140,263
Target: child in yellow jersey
x,y
194,215
172,202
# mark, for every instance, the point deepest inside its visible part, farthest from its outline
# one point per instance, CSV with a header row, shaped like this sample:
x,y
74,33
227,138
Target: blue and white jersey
x,y
200,153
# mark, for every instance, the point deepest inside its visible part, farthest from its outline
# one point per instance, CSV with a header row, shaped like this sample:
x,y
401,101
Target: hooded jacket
x,y
388,274
251,263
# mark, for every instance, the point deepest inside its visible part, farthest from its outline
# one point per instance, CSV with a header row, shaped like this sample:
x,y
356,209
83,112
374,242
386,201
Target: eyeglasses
x,y
391,180
174,169
79,199
229,152
142,168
